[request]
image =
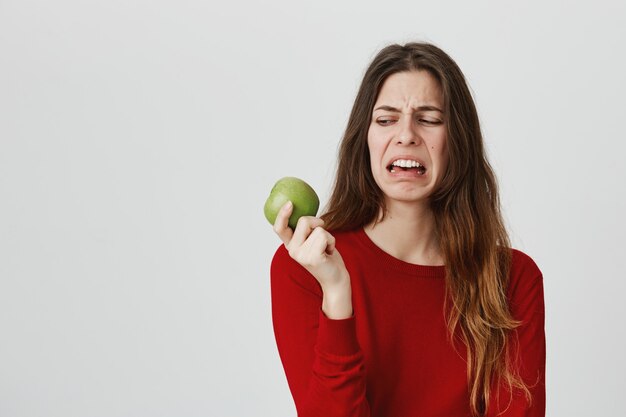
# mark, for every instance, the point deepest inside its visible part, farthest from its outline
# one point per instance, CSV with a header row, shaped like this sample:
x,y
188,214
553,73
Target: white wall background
x,y
140,138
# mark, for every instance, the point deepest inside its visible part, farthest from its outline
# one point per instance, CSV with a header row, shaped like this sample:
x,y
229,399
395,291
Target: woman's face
x,y
408,125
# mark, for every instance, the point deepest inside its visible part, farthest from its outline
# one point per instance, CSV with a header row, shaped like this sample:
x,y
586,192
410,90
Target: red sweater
x,y
392,357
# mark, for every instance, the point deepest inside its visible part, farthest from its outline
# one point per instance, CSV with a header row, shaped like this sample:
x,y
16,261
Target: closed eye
x,y
431,122
428,122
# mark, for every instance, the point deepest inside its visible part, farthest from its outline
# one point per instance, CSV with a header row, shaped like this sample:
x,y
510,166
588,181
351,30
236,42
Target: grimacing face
x,y
408,125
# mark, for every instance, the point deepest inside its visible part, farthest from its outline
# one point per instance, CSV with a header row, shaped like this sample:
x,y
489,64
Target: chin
x,y
408,197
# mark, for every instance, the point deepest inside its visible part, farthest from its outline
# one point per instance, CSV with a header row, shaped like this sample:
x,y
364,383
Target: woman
x,y
405,298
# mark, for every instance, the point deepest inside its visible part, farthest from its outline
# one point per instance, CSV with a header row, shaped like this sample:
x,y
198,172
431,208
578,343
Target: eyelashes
x,y
427,122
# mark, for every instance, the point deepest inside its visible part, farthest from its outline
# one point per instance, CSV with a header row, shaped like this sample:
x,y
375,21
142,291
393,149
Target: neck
x,y
407,233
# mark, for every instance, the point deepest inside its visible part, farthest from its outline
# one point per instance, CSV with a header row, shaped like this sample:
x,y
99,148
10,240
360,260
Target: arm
x,y
528,349
322,359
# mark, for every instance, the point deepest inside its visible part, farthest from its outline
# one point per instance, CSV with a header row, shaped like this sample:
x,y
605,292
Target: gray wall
x,y
139,140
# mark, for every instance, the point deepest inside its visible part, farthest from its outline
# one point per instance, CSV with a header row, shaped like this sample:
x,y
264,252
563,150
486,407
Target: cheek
x,y
439,151
375,159
443,157
373,146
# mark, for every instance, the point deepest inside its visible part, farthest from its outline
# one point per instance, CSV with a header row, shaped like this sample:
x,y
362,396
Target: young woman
x,y
405,298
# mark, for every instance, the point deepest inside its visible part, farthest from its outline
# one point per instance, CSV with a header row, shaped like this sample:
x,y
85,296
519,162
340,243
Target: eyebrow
x,y
420,108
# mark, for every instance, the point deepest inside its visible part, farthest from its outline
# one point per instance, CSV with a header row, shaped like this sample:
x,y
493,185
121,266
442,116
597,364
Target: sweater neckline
x,y
389,261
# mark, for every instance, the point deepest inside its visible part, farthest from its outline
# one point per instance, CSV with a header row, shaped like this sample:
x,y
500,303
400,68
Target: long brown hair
x,y
474,241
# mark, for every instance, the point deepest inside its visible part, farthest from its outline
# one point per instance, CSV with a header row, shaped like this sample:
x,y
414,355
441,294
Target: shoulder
x,y
523,264
526,282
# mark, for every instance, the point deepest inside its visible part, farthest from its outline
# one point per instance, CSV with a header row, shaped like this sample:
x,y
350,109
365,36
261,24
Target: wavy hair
x,y
474,241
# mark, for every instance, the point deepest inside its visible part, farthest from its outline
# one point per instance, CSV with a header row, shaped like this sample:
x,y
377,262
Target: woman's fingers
x,y
309,241
312,252
312,247
305,225
330,248
322,242
281,224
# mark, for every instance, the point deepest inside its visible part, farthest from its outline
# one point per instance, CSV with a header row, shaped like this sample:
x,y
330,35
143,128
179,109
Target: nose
x,y
407,134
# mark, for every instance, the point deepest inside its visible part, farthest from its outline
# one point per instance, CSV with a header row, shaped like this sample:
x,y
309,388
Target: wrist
x,y
337,301
340,285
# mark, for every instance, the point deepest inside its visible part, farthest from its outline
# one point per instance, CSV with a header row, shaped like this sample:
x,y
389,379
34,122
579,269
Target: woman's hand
x,y
313,248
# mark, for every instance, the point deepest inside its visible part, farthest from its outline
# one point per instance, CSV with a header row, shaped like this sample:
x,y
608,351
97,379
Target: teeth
x,y
405,163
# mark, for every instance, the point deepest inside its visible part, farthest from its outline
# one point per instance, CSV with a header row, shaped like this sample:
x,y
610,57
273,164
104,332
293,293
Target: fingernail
x,y
287,205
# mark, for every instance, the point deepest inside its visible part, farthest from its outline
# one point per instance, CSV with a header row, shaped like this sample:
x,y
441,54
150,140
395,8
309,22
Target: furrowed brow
x,y
420,108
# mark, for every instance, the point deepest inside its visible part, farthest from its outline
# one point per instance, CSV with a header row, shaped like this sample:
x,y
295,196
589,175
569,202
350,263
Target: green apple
x,y
304,199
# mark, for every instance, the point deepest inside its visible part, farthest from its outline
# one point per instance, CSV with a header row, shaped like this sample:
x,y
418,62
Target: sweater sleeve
x,y
528,343
322,359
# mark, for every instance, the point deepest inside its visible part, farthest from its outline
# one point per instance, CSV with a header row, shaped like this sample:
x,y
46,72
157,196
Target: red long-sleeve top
x,y
392,357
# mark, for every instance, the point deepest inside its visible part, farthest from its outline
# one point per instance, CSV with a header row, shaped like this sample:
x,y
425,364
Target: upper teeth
x,y
405,163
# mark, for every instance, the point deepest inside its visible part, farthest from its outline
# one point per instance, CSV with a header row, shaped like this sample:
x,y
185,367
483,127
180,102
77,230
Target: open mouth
x,y
414,167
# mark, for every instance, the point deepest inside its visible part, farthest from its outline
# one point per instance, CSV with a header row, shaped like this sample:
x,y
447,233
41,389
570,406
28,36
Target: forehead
x,y
411,88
